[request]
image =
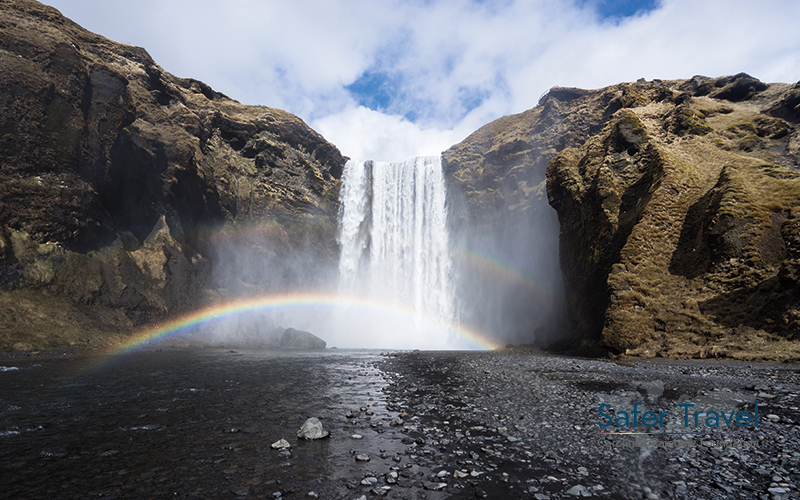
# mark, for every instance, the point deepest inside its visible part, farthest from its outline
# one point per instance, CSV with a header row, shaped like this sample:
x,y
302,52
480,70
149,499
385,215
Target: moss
x,y
685,121
743,128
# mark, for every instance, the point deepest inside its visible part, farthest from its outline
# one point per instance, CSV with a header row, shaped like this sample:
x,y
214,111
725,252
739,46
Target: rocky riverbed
x,y
506,425
215,423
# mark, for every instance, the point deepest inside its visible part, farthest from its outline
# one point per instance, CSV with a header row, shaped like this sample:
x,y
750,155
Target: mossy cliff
x,y
124,189
678,204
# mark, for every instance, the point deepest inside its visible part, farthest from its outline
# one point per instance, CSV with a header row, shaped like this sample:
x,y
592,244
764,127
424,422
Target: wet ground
x,y
198,423
194,423
506,425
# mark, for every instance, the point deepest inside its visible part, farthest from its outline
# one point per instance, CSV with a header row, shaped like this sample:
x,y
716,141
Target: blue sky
x,y
620,9
391,79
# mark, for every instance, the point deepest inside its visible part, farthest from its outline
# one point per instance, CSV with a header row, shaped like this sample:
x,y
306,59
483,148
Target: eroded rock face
x,y
617,173
677,221
500,215
120,183
676,204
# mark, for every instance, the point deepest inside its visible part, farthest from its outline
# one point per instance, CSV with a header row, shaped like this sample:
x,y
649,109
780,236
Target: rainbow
x,y
473,339
499,269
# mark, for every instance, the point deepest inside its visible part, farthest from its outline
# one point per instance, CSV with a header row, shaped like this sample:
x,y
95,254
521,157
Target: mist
x,y
404,266
509,282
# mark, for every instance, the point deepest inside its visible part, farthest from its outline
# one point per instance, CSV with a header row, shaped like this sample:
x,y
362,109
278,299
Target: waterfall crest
x,y
393,237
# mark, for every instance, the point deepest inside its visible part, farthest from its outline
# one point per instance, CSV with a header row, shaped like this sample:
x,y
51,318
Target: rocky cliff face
x,y
678,205
127,193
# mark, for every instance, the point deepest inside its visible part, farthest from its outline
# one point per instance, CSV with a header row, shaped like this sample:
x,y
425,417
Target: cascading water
x,y
395,246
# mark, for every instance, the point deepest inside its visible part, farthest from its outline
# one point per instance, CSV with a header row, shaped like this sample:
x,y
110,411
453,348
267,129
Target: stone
x,y
299,339
241,491
362,457
280,444
577,490
312,429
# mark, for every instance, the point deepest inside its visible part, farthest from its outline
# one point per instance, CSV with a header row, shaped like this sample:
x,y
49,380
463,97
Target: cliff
x,y
678,205
127,194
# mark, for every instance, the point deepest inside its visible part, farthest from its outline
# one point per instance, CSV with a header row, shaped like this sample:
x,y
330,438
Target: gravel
x,y
410,425
509,425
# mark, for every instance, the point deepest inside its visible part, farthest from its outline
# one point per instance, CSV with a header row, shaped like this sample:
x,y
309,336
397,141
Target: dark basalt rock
x,y
101,149
299,339
676,204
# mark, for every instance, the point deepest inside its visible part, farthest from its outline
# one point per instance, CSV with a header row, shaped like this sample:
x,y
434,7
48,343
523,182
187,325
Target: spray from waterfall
x,y
395,248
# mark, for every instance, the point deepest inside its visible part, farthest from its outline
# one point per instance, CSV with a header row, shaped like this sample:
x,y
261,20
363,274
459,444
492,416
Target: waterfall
x,y
394,240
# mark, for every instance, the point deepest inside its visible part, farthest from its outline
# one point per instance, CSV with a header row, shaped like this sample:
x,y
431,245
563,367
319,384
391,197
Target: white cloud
x,y
391,137
445,56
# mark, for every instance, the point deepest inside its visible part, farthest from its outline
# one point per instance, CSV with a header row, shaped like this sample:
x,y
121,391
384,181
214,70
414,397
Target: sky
x,y
392,79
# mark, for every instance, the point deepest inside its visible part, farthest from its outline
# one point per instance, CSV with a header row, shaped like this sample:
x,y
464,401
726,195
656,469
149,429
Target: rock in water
x,y
281,444
298,339
312,429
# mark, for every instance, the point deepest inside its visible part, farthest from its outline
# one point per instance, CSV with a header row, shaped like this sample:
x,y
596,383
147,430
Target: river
x,y
188,423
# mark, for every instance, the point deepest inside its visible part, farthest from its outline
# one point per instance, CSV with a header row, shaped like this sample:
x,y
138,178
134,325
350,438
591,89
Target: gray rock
x,y
241,491
434,486
576,490
312,429
280,444
299,339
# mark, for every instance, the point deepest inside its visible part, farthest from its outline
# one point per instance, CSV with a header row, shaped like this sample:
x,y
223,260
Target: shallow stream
x,y
189,423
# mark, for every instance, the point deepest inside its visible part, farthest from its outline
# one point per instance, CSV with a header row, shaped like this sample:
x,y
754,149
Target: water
x,y
395,245
193,423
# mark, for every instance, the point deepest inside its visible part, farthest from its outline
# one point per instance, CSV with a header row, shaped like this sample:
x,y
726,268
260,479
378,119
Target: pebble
x,y
312,429
434,486
280,444
577,490
241,491
537,416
